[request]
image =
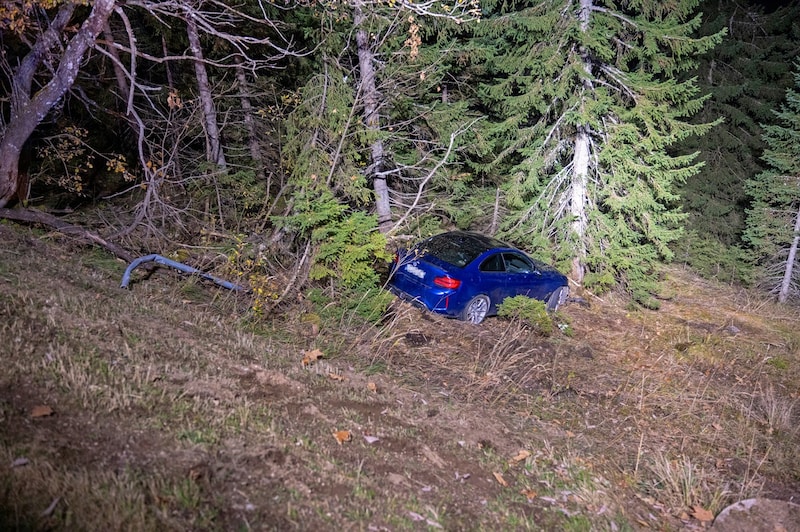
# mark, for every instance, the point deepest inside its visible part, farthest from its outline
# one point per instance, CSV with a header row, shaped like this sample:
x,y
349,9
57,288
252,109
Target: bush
x,y
531,312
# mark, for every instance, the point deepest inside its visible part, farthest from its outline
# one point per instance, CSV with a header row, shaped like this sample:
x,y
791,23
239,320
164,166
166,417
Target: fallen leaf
x,y
19,462
41,411
701,514
371,386
371,439
309,357
336,376
342,436
529,494
500,479
522,455
50,508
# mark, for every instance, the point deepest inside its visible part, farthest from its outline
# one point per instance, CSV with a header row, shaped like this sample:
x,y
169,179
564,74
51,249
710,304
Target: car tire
x,y
557,298
476,310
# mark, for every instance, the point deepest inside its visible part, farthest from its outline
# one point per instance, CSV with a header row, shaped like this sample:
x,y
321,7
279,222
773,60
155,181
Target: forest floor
x,y
163,407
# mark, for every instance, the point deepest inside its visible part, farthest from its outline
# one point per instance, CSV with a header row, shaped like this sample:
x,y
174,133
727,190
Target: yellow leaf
x,y
500,479
342,436
309,357
371,386
701,514
336,376
521,456
529,494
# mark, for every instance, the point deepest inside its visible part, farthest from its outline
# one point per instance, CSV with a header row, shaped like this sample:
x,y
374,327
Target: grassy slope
x,y
161,407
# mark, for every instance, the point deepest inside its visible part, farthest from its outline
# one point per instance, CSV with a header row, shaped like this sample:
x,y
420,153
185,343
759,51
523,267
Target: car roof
x,y
461,247
471,238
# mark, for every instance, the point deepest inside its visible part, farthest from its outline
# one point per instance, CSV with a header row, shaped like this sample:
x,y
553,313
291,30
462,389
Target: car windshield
x,y
458,248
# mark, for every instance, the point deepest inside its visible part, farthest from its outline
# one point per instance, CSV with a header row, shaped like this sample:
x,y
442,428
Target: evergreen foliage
x,y
773,222
605,83
327,153
746,76
531,312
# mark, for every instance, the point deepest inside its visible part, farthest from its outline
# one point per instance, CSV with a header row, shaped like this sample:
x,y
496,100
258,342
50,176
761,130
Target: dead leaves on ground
x,y
701,514
520,457
342,436
314,357
39,411
500,480
311,356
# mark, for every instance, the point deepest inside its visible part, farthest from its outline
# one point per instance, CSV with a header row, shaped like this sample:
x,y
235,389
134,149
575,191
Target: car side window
x,y
493,264
516,263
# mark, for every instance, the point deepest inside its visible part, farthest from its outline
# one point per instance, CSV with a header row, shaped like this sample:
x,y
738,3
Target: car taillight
x,y
447,282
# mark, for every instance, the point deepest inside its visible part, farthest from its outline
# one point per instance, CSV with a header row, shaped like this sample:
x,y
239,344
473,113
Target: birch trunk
x,y
214,151
371,96
783,295
580,172
580,165
27,112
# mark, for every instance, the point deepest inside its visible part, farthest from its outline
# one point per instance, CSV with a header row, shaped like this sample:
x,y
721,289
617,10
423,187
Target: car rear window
x,y
459,249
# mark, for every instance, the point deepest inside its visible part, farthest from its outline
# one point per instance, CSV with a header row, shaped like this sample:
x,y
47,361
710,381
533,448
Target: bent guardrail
x,y
126,277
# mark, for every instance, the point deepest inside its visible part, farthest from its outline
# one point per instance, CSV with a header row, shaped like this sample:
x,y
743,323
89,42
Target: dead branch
x,y
34,216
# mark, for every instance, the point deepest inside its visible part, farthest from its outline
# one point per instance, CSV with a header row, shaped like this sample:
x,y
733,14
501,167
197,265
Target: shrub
x,y
531,312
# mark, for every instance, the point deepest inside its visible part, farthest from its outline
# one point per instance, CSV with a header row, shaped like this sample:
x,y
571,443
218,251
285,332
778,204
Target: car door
x,y
493,278
523,278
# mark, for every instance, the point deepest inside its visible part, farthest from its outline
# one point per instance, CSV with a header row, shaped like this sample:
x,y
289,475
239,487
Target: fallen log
x,y
35,216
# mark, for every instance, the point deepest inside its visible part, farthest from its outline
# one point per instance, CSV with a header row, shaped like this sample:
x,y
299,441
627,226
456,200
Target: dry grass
x,y
172,411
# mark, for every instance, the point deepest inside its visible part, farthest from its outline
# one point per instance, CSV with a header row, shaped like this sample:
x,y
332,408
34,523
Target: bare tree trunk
x,y
119,74
214,152
249,123
26,112
783,295
580,166
580,173
369,91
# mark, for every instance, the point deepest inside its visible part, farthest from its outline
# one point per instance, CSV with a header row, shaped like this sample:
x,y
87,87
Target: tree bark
x,y
372,98
580,173
580,165
26,112
250,124
119,74
214,151
783,295
39,217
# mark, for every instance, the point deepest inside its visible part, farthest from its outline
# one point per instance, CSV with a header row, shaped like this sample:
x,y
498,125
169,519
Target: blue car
x,y
465,275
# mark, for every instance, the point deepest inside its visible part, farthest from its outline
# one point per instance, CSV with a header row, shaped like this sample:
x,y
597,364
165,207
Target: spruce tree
x,y
773,222
747,76
587,102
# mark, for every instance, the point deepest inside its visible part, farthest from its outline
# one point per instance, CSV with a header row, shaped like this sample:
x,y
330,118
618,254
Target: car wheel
x,y
476,309
557,298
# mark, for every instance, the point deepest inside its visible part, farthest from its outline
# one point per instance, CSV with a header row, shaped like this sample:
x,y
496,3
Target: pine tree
x,y
773,222
587,105
747,76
